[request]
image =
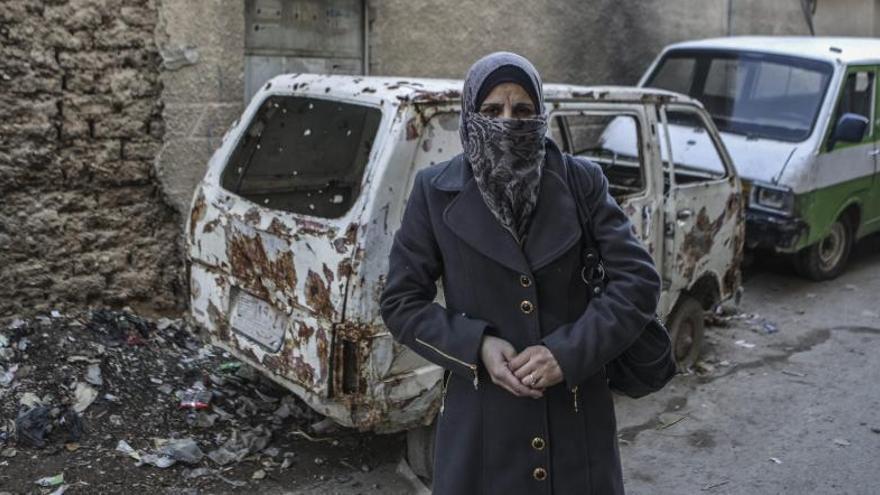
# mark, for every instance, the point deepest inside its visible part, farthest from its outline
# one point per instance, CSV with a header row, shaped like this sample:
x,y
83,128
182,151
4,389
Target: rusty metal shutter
x,y
285,36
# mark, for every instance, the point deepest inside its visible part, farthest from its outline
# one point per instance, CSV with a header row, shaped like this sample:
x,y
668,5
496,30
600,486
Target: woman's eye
x,y
489,111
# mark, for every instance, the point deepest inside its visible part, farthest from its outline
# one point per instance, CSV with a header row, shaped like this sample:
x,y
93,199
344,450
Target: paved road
x,y
796,411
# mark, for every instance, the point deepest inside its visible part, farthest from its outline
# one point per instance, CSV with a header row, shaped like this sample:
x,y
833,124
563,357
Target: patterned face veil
x,y
506,155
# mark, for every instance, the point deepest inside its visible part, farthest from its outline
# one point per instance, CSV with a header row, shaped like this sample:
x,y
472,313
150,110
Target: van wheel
x,y
686,330
420,451
827,258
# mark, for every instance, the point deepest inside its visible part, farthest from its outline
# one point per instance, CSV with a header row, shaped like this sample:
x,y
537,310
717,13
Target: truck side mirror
x,y
850,128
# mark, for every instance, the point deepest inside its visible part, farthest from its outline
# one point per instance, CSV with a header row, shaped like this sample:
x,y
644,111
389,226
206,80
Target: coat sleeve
x,y
449,339
614,319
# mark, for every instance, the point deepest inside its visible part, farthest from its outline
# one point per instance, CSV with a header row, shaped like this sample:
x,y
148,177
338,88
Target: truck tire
x,y
686,330
420,451
827,258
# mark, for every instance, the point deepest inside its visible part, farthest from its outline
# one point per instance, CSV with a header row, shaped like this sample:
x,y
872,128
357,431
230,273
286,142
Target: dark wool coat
x,y
488,440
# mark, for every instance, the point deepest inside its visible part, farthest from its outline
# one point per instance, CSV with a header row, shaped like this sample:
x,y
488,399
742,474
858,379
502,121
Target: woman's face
x,y
508,100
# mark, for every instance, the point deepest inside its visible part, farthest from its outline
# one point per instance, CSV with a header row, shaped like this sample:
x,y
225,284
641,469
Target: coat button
x,y
526,306
538,443
525,281
540,474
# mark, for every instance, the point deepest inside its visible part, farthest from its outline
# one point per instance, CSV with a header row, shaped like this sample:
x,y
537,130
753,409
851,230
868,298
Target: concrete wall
x,y
585,42
202,46
82,220
847,18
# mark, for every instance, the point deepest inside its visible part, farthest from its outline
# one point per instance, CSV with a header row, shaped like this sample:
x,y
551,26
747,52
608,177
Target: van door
x,y
844,172
872,209
703,204
614,136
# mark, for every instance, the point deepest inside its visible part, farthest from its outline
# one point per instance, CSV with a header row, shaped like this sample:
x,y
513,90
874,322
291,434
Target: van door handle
x,y
684,214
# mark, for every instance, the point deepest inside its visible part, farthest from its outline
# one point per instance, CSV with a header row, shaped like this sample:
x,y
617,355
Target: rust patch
x,y
210,226
412,129
328,273
422,96
197,214
252,216
699,241
250,264
343,269
278,228
318,295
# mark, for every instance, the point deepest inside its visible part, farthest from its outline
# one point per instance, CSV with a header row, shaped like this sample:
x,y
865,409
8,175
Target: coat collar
x,y
553,230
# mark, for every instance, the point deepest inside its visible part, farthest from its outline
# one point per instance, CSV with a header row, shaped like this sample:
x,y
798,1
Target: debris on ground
x,y
108,396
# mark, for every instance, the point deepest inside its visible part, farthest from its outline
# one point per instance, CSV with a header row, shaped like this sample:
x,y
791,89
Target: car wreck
x,y
291,226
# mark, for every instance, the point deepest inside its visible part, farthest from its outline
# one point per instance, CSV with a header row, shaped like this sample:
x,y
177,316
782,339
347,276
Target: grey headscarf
x,y
506,155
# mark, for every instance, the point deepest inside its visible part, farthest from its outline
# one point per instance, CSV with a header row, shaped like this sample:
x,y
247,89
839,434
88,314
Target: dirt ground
x,y
784,401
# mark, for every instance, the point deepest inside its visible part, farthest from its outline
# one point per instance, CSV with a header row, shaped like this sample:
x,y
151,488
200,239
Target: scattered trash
x,y
196,397
55,313
793,373
850,287
29,400
241,444
230,367
8,452
7,375
198,473
235,483
85,395
124,448
93,375
32,426
769,327
258,474
50,481
743,343
775,460
841,442
184,450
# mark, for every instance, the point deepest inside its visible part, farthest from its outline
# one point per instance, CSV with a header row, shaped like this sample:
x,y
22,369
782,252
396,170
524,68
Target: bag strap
x,y
583,212
593,272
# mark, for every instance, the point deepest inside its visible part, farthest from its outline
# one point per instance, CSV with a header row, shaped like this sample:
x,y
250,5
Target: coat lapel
x,y
553,230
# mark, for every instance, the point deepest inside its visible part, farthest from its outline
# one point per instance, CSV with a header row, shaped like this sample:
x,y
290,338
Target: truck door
x,y
703,225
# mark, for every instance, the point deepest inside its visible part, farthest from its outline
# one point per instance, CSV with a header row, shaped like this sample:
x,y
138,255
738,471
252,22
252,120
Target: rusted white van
x,y
291,227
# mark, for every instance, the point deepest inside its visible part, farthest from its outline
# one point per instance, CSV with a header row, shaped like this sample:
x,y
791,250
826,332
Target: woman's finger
x,y
530,367
514,383
521,358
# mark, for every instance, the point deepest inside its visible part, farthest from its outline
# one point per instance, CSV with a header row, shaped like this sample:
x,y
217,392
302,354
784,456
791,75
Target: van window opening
x,y
303,155
756,95
857,97
612,140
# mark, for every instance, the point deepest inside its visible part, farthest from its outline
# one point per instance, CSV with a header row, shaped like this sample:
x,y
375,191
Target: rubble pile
x,y
109,397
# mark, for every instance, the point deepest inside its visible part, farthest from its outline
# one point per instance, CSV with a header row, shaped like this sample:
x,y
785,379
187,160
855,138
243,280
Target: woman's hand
x,y
496,354
536,367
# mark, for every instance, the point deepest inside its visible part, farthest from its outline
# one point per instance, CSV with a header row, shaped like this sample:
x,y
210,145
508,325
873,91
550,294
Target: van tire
x,y
686,330
826,259
420,451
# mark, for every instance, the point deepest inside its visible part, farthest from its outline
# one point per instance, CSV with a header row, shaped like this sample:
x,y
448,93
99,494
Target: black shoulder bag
x,y
647,364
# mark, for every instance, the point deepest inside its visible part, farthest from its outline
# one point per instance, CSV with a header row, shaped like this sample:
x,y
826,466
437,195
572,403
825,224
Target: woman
x,y
526,406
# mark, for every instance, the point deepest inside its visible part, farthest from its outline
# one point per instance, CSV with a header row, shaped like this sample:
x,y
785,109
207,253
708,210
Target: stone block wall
x,y
82,219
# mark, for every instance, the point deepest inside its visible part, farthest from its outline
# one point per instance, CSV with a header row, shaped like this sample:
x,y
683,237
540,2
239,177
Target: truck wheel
x,y
827,258
420,451
686,330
